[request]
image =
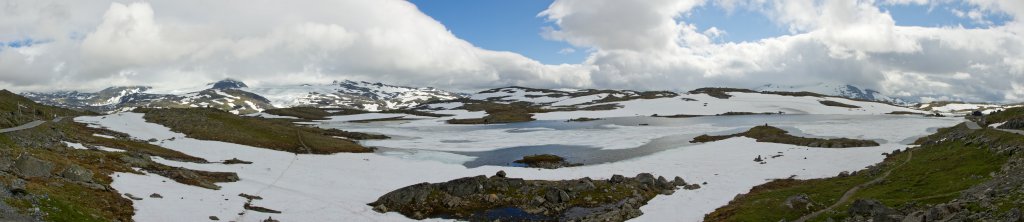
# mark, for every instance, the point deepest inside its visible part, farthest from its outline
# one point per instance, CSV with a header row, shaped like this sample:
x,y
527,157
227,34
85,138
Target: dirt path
x,y
972,125
1021,132
29,125
26,126
849,193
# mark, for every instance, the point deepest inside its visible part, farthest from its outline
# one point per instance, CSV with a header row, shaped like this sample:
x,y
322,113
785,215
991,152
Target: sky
x,y
969,50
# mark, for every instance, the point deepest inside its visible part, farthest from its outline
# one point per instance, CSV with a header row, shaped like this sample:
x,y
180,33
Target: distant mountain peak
x,y
228,84
836,89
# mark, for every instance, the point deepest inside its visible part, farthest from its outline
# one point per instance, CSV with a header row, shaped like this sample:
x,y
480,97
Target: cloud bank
x,y
90,44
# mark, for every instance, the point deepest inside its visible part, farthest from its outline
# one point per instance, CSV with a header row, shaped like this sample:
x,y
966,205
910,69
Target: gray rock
x,y
501,174
77,173
691,186
555,195
617,179
17,186
584,185
214,218
873,209
1014,215
645,178
799,202
844,174
133,197
916,216
678,181
6,163
28,166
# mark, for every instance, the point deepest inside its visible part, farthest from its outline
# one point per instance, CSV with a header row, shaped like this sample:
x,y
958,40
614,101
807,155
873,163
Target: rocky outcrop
x,y
77,173
28,166
498,197
1017,123
769,134
546,161
799,202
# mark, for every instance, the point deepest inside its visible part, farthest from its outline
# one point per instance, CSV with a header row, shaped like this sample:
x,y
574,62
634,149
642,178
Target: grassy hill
x,y
960,173
16,110
214,124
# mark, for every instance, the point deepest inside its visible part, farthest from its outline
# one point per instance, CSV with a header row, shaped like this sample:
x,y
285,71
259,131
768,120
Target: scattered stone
x,y
250,197
133,197
236,161
844,174
251,207
799,202
214,218
873,209
758,159
691,186
155,195
618,178
678,181
28,166
17,187
77,173
270,219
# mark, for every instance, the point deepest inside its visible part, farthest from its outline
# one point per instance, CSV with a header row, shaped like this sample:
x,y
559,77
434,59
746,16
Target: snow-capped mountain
x,y
226,95
351,94
107,98
237,97
840,90
563,97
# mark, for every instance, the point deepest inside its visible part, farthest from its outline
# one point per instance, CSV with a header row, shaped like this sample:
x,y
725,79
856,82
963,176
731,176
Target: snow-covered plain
x,y
338,187
739,102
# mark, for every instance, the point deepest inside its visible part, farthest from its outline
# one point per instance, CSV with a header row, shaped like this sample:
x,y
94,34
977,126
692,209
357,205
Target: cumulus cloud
x,y
175,44
852,42
91,44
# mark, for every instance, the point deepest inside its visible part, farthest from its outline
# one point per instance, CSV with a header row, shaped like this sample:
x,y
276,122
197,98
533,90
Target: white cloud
x,y
832,41
174,44
631,44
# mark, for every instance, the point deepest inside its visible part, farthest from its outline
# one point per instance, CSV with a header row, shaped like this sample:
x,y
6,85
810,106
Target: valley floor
x,y
337,187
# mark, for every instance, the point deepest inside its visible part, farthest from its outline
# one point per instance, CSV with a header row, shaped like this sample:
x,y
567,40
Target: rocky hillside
x,y
16,110
519,104
238,98
60,170
225,95
353,95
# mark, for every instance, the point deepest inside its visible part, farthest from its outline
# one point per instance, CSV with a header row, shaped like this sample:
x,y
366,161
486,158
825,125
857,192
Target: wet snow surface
x,y
338,187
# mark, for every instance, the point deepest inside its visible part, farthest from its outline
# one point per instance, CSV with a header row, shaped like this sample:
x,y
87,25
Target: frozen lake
x,y
501,144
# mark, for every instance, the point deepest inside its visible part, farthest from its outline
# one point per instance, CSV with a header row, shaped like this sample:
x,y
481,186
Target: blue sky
x,y
502,25
514,25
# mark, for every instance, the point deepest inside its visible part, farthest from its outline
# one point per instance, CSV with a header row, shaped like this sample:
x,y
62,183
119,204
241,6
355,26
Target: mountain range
x,y
237,97
837,89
